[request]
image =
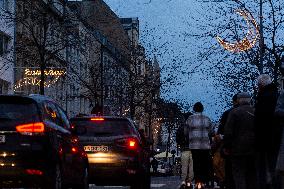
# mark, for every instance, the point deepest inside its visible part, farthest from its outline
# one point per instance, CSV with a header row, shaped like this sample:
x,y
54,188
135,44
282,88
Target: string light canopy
x,y
250,38
32,77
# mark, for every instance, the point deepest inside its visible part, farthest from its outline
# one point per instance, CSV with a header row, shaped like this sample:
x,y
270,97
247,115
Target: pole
x,y
102,80
261,42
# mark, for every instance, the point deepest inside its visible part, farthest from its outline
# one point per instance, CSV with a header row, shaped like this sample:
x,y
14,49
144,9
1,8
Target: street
x,y
157,182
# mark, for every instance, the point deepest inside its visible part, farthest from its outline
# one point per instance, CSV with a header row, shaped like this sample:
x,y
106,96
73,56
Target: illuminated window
x,y
4,39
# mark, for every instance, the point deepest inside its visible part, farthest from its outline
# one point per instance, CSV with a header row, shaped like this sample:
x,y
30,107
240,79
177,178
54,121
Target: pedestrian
x,y
228,181
239,140
155,164
279,112
266,131
186,156
200,131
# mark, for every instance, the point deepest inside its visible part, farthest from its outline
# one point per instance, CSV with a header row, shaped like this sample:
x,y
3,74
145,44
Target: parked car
x,y
37,148
117,152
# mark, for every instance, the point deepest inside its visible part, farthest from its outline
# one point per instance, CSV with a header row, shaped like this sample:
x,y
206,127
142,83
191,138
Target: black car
x,y
118,153
37,148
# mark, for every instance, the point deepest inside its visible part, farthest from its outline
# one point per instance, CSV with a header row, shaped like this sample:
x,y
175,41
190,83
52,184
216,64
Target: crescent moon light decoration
x,y
249,40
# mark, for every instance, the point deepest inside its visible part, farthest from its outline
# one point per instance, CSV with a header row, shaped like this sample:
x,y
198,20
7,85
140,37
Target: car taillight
x,y
97,119
34,172
132,143
129,143
31,128
74,150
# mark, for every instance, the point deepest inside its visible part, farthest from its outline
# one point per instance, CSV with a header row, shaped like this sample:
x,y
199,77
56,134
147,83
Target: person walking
x,y
186,156
155,164
266,131
199,132
239,141
279,112
229,181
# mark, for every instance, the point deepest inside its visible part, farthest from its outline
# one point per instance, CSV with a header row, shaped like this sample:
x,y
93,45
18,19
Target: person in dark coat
x,y
229,181
266,131
279,112
224,116
154,164
239,141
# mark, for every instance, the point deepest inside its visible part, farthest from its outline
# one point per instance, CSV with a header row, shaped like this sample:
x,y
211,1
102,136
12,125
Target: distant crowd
x,y
247,151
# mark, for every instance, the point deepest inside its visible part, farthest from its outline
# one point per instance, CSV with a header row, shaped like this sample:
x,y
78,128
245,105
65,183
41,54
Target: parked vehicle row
x,y
39,147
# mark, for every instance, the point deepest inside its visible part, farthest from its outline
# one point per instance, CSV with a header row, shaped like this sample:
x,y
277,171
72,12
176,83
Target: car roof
x,y
97,116
35,97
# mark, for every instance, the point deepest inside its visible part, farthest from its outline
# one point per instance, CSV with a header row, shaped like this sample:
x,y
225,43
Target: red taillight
x,y
34,172
74,150
129,143
97,119
132,143
30,128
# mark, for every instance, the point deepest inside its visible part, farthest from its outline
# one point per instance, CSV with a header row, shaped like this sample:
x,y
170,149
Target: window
x,y
106,128
17,110
4,40
64,118
51,113
4,4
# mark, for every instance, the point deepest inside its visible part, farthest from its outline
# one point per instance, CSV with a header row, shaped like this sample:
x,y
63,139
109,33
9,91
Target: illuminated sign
x,y
249,40
32,77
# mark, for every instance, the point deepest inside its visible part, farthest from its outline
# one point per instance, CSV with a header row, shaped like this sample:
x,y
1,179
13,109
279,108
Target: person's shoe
x,y
182,185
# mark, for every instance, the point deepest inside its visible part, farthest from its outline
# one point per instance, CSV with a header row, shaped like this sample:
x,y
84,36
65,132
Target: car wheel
x,y
84,182
55,181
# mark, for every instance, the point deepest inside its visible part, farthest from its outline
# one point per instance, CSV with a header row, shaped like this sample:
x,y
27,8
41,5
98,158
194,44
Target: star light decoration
x,y
249,40
31,78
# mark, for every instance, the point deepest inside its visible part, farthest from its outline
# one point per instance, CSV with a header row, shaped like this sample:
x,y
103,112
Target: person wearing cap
x,y
239,141
199,132
266,132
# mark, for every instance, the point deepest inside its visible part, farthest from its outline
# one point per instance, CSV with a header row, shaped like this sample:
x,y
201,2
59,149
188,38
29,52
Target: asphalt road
x,y
157,183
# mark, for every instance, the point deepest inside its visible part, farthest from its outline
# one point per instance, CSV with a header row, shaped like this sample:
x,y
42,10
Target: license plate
x,y
96,148
2,139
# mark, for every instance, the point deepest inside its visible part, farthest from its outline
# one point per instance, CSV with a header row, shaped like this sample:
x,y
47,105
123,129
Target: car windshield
x,y
109,127
17,112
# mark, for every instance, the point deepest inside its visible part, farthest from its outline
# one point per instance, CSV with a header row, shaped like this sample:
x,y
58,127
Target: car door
x,y
77,161
145,149
59,137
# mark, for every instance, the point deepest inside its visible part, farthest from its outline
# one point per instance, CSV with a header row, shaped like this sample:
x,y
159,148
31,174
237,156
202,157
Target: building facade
x,y
40,65
7,39
145,80
110,90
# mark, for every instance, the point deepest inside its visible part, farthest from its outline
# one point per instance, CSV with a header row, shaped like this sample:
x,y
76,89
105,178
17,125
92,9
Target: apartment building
x,y
7,39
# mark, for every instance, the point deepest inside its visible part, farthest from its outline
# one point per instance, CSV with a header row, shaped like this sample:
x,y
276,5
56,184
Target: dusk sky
x,y
166,21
